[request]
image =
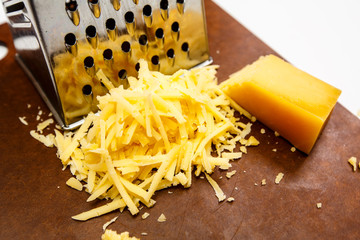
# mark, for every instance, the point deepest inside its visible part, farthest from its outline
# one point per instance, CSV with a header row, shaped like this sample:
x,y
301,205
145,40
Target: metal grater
x,y
61,44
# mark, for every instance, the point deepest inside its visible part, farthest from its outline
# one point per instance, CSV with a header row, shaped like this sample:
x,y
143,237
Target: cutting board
x,y
35,203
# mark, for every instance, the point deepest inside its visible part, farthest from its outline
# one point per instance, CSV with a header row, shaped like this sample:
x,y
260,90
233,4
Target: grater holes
x,y
89,62
185,47
91,36
175,31
147,11
116,4
110,24
164,4
159,33
175,27
71,5
126,47
95,7
130,22
108,54
122,74
155,60
180,6
89,65
129,17
71,43
137,67
90,31
87,90
170,53
164,7
143,40
70,39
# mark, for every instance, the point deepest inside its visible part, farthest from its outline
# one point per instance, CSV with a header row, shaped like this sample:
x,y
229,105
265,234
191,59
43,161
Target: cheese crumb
x,y
352,162
253,119
278,178
161,218
243,149
262,131
47,140
40,112
113,235
41,126
145,215
23,121
144,234
263,182
255,184
274,150
28,105
319,205
236,188
230,174
230,199
109,222
74,183
276,134
293,149
37,118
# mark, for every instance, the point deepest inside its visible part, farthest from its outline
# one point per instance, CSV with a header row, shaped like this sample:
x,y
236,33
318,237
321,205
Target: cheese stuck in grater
x,y
63,45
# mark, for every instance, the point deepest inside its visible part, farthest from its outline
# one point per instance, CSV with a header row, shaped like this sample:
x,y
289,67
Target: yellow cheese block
x,y
286,99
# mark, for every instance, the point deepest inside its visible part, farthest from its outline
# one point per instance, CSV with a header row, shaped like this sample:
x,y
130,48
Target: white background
x,y
321,37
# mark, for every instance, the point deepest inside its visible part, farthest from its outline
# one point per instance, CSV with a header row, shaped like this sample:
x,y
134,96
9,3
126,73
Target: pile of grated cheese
x,y
152,136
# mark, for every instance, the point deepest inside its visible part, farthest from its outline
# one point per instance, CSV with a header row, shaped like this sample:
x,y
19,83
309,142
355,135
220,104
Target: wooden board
x,y
35,203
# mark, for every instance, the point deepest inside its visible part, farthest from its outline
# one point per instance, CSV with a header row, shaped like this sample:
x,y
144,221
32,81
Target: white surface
x,y
321,37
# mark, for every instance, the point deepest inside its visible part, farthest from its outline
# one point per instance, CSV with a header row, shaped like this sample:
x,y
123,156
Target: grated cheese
x,y
278,178
162,218
352,162
151,136
23,121
218,192
113,235
74,183
230,174
230,199
109,222
41,126
319,205
293,149
145,215
263,182
48,140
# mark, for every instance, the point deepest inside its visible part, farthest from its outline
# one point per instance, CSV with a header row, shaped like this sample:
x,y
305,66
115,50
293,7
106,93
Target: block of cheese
x,y
286,99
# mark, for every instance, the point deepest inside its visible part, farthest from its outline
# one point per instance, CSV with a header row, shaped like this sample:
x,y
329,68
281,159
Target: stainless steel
x,y
61,44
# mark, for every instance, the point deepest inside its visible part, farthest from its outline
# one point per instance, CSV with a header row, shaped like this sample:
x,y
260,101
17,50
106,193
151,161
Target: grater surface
x,y
63,44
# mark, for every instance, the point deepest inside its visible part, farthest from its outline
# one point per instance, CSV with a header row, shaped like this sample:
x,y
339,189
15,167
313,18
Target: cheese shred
x,y
152,136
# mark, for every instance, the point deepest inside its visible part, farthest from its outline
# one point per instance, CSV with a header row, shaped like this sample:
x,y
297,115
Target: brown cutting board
x,y
35,203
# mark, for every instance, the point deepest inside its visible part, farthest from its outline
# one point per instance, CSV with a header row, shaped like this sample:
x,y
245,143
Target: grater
x,y
62,44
